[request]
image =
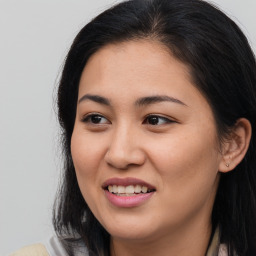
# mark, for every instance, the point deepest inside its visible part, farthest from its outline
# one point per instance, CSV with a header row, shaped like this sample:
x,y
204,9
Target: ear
x,y
235,148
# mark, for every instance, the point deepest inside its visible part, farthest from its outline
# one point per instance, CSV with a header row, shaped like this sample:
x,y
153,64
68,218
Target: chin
x,y
132,230
137,235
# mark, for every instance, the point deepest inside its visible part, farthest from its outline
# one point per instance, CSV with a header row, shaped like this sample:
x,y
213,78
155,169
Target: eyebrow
x,y
140,102
95,98
156,99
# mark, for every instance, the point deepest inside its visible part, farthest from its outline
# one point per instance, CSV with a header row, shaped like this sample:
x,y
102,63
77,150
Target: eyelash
x,y
158,117
88,119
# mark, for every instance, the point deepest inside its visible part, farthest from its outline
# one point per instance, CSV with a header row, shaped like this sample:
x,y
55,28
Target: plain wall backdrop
x,y
35,36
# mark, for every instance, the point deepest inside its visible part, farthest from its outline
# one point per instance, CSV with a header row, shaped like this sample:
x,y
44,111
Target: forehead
x,y
136,68
142,63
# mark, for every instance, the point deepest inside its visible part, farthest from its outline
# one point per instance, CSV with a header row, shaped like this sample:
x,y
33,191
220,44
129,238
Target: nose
x,y
125,149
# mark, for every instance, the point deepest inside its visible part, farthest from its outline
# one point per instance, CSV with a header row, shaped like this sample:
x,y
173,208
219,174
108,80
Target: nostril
x,y
119,166
124,158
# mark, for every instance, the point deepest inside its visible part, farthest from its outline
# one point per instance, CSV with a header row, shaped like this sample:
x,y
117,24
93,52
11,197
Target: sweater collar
x,y
216,248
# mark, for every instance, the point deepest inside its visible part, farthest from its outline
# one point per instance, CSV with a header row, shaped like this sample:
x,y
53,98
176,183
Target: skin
x,y
181,157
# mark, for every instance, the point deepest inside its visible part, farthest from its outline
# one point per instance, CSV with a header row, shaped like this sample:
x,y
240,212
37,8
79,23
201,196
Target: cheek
x,y
86,153
86,160
189,177
183,153
188,165
85,156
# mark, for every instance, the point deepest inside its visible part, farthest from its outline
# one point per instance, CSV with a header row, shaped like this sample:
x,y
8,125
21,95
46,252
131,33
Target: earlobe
x,y
235,148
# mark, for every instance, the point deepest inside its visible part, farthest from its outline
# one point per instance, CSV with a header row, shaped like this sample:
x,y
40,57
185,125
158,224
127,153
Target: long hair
x,y
223,68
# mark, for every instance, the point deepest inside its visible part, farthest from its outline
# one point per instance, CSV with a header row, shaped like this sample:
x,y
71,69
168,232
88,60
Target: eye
x,y
157,120
95,119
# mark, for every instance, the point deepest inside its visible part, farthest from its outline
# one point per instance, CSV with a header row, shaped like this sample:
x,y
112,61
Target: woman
x,y
157,102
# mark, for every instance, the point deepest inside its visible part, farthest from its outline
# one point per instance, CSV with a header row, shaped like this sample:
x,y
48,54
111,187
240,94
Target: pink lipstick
x,y
127,192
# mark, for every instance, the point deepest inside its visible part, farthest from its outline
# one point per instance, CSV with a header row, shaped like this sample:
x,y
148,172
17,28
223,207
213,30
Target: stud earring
x,y
227,164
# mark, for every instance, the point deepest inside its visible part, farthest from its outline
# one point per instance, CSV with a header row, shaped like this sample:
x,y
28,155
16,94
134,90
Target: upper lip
x,y
126,182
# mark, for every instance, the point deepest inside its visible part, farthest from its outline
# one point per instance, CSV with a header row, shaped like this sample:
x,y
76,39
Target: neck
x,y
193,241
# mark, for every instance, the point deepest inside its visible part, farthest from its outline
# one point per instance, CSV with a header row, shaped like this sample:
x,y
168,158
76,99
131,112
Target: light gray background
x,y
34,38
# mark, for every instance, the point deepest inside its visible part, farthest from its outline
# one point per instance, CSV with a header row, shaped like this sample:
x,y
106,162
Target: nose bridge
x,y
124,149
121,139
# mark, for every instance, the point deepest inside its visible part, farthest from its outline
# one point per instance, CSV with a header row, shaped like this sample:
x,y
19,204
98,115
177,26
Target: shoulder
x,y
32,250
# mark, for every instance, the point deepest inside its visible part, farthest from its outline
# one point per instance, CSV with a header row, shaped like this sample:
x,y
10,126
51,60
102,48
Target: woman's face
x,y
144,144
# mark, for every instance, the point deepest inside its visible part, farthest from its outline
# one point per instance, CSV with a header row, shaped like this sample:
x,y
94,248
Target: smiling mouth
x,y
130,190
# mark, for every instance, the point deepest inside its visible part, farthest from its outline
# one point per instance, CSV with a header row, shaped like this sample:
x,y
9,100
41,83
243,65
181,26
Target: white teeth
x,y
110,189
115,189
137,189
120,189
131,189
144,189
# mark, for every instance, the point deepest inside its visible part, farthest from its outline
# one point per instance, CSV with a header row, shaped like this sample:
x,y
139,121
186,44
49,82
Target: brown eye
x,y
95,119
153,120
157,120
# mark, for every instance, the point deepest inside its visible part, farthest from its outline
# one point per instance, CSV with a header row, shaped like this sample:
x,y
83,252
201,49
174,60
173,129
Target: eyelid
x,y
167,119
85,118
